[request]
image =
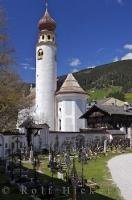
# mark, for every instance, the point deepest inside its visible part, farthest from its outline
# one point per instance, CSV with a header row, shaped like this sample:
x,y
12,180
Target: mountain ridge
x,y
116,74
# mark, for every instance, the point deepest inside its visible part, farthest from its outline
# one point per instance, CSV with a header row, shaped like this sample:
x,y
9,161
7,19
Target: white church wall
x,y
70,107
80,109
71,136
66,115
40,141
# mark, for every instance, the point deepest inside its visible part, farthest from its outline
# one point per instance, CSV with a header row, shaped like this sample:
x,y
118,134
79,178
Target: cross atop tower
x,y
46,4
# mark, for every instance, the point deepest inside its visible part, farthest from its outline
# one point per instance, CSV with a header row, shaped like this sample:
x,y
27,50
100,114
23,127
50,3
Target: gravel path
x,y
121,171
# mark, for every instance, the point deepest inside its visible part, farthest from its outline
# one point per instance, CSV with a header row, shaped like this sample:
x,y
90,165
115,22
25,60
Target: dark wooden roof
x,y
108,110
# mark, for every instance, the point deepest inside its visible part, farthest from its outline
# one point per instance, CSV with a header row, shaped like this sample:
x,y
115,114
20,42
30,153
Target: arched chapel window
x,y
40,54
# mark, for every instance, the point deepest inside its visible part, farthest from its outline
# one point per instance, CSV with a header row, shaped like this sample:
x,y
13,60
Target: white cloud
x,y
100,50
120,2
116,59
25,65
32,68
75,70
74,62
128,46
28,64
128,56
92,66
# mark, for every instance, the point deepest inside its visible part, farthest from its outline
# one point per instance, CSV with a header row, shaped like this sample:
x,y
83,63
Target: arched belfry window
x,y
49,37
40,54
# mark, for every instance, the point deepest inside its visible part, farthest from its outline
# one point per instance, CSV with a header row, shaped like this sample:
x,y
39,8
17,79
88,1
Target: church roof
x,y
70,85
46,22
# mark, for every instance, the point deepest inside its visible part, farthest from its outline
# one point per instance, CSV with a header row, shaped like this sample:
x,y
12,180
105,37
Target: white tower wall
x,y
46,85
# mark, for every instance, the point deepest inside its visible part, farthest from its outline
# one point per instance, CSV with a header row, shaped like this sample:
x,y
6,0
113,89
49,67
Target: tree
x,y
12,89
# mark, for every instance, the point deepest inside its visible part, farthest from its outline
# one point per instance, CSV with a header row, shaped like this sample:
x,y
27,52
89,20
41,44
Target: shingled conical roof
x,y
70,85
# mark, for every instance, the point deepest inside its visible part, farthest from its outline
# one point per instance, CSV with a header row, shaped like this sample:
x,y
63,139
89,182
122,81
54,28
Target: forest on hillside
x,y
113,74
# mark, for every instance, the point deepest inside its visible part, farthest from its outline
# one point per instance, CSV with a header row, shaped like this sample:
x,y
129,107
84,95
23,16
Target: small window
x,y
21,145
53,39
6,145
40,54
48,37
59,124
60,109
12,145
42,37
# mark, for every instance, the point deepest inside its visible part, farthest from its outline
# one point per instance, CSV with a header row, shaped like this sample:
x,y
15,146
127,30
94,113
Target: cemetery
x,y
56,143
68,174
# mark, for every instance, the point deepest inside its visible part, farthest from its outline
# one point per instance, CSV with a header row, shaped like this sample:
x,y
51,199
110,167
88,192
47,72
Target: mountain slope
x,y
116,74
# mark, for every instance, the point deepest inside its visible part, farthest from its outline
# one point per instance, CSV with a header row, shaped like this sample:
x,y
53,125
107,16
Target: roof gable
x,y
107,109
70,85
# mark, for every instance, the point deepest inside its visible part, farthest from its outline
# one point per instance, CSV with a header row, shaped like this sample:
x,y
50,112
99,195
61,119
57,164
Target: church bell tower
x,y
46,71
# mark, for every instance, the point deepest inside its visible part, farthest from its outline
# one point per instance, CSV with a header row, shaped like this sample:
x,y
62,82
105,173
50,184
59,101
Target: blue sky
x,y
89,32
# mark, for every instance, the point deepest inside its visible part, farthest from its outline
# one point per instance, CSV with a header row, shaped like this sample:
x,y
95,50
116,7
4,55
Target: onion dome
x,y
47,23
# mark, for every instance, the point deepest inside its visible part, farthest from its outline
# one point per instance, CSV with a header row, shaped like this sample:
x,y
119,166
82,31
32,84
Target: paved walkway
x,y
121,171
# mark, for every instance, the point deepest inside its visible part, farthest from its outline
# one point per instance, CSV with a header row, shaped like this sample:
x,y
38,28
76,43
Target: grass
x,y
97,170
99,94
128,97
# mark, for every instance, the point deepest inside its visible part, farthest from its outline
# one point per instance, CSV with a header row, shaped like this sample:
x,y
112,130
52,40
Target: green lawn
x,y
97,170
99,94
128,97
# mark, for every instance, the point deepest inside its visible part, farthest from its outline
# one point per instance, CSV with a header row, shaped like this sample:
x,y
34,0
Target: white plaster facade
x,y
46,84
69,109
